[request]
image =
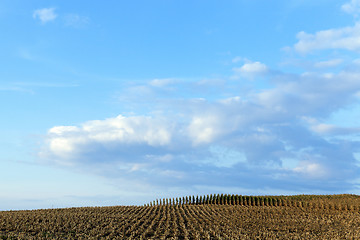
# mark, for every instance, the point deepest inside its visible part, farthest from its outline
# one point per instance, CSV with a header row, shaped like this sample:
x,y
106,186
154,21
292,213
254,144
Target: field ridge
x,y
216,217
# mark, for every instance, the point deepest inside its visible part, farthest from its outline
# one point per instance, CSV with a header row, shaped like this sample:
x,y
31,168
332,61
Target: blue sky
x,y
123,102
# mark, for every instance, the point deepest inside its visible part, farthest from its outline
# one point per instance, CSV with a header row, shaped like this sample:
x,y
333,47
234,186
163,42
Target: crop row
x,y
308,201
308,220
181,222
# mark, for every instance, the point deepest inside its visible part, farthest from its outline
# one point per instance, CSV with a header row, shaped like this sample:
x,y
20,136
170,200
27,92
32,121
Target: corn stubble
x,y
207,217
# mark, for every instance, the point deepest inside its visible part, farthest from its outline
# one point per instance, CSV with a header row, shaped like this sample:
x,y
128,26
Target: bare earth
x,y
335,217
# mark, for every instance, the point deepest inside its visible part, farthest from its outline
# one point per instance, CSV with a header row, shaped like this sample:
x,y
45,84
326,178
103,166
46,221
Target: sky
x,y
123,102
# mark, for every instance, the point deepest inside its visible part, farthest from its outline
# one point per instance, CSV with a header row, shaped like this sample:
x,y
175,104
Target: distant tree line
x,y
223,199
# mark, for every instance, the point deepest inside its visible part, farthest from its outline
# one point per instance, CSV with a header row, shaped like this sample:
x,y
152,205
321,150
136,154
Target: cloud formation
x,y
268,128
328,63
347,38
212,133
352,7
45,14
250,69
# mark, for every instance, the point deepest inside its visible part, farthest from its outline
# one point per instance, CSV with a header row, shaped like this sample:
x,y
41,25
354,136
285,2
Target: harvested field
x,y
292,217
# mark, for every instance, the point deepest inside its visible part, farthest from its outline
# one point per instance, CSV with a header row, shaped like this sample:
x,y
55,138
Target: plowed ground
x,y
183,222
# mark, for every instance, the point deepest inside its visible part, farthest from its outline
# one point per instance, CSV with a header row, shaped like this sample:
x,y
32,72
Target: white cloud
x,y
331,129
342,38
311,169
230,100
352,7
262,126
161,82
251,70
323,128
70,142
328,63
62,130
204,129
173,145
45,14
347,38
71,20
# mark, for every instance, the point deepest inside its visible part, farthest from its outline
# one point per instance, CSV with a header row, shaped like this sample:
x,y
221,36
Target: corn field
x,y
195,217
225,199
